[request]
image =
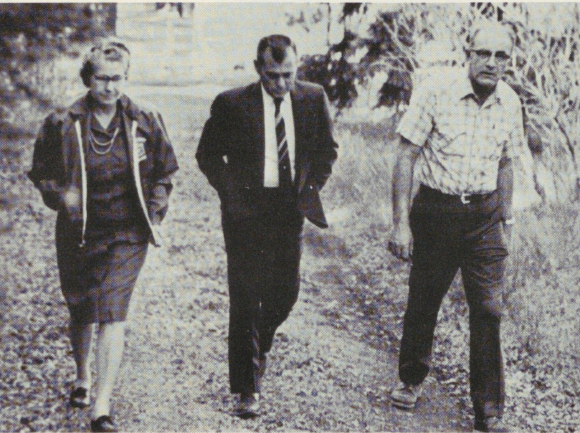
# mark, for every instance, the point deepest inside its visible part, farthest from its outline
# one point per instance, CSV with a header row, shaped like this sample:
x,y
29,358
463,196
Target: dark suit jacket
x,y
232,145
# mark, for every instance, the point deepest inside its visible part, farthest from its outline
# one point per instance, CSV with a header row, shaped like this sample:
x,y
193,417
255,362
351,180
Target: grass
x,y
541,329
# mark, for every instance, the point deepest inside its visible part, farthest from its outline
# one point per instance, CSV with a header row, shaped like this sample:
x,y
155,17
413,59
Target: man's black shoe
x,y
491,424
247,406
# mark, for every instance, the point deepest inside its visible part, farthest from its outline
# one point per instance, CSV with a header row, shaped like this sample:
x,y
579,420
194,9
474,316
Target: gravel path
x,y
326,372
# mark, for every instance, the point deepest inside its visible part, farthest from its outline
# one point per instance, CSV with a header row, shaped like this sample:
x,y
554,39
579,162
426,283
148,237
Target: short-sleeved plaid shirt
x,y
462,142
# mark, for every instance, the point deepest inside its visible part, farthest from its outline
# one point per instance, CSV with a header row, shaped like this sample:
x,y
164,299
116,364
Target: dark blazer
x,y
232,145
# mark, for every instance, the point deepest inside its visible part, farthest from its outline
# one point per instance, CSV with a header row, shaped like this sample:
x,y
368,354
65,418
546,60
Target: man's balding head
x,y
490,47
493,28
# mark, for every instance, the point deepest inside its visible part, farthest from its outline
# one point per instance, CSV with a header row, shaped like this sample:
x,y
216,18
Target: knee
x,y
421,312
111,328
287,306
118,324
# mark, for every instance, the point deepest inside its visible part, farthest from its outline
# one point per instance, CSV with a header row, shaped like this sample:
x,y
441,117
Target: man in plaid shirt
x,y
459,136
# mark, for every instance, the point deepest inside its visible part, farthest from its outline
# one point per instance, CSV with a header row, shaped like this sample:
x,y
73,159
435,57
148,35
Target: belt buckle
x,y
464,198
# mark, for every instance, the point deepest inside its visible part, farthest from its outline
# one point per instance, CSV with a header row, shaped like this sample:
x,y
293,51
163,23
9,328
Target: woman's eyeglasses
x,y
118,45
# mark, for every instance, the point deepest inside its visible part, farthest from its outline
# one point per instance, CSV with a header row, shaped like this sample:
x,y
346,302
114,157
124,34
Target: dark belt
x,y
451,198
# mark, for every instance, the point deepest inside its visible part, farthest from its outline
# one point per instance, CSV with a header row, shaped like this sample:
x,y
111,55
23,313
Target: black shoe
x,y
491,424
103,424
247,406
79,398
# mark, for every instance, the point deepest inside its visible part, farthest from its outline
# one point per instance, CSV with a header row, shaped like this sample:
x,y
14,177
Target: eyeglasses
x,y
107,79
500,56
119,45
113,44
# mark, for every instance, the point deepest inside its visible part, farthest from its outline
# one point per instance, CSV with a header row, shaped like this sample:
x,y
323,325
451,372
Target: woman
x,y
105,164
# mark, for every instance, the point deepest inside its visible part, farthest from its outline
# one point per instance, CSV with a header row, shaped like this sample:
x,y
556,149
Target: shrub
x,y
32,34
396,43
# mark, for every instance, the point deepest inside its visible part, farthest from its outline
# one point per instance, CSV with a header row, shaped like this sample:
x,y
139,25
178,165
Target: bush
x,y
388,47
32,34
32,37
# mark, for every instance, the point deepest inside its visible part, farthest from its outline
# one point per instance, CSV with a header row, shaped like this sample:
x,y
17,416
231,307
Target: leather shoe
x,y
103,423
405,396
79,397
247,406
491,424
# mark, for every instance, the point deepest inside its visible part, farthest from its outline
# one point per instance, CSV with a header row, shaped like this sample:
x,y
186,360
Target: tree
x,y
30,33
398,43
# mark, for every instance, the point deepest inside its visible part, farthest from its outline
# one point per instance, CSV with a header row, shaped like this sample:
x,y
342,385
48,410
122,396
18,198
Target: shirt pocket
x,y
450,133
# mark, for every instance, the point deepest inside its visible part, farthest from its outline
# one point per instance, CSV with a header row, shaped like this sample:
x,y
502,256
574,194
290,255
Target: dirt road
x,y
333,361
332,364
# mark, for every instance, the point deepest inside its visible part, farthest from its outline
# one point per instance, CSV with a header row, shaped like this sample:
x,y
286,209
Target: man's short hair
x,y
494,26
108,49
279,45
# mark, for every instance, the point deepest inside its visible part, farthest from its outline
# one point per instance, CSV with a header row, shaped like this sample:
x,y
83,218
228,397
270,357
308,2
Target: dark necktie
x,y
284,172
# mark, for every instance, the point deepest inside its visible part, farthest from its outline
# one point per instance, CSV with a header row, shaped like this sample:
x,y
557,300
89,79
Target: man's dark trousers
x,y
263,253
449,235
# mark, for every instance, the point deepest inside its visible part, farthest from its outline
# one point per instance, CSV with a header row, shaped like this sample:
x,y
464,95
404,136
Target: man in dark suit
x,y
268,150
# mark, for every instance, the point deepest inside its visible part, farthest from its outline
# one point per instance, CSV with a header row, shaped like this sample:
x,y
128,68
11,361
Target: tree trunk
x,y
111,18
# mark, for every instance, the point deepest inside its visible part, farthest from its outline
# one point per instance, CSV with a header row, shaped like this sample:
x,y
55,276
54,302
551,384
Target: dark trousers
x,y
263,275
450,235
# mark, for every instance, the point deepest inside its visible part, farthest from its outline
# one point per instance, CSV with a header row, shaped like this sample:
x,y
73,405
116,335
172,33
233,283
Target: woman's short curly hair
x,y
108,49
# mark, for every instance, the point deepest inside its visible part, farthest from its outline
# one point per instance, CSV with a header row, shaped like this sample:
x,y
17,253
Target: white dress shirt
x,y
271,151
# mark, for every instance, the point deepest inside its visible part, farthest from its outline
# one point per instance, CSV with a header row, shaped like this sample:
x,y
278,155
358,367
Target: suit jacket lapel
x,y
80,111
299,120
300,128
255,111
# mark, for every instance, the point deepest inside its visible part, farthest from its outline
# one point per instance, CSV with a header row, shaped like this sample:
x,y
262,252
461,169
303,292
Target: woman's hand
x,y
72,202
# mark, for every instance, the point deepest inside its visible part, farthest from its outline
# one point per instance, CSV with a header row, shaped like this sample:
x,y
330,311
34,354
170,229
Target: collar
x,y
464,89
115,122
267,97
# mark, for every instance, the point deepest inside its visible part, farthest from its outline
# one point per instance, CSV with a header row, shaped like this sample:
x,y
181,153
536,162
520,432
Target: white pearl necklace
x,y
107,146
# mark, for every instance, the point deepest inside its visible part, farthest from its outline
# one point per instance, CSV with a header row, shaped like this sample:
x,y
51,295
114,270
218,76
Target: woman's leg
x,y
81,337
110,343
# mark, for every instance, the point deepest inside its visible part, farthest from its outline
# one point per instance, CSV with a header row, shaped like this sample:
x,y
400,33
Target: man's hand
x,y
507,230
401,243
159,235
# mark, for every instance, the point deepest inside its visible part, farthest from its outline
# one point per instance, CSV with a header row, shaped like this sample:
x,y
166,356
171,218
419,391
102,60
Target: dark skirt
x,y
97,280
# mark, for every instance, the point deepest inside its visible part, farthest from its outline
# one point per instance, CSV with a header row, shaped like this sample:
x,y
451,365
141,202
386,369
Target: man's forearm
x,y
505,186
403,180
